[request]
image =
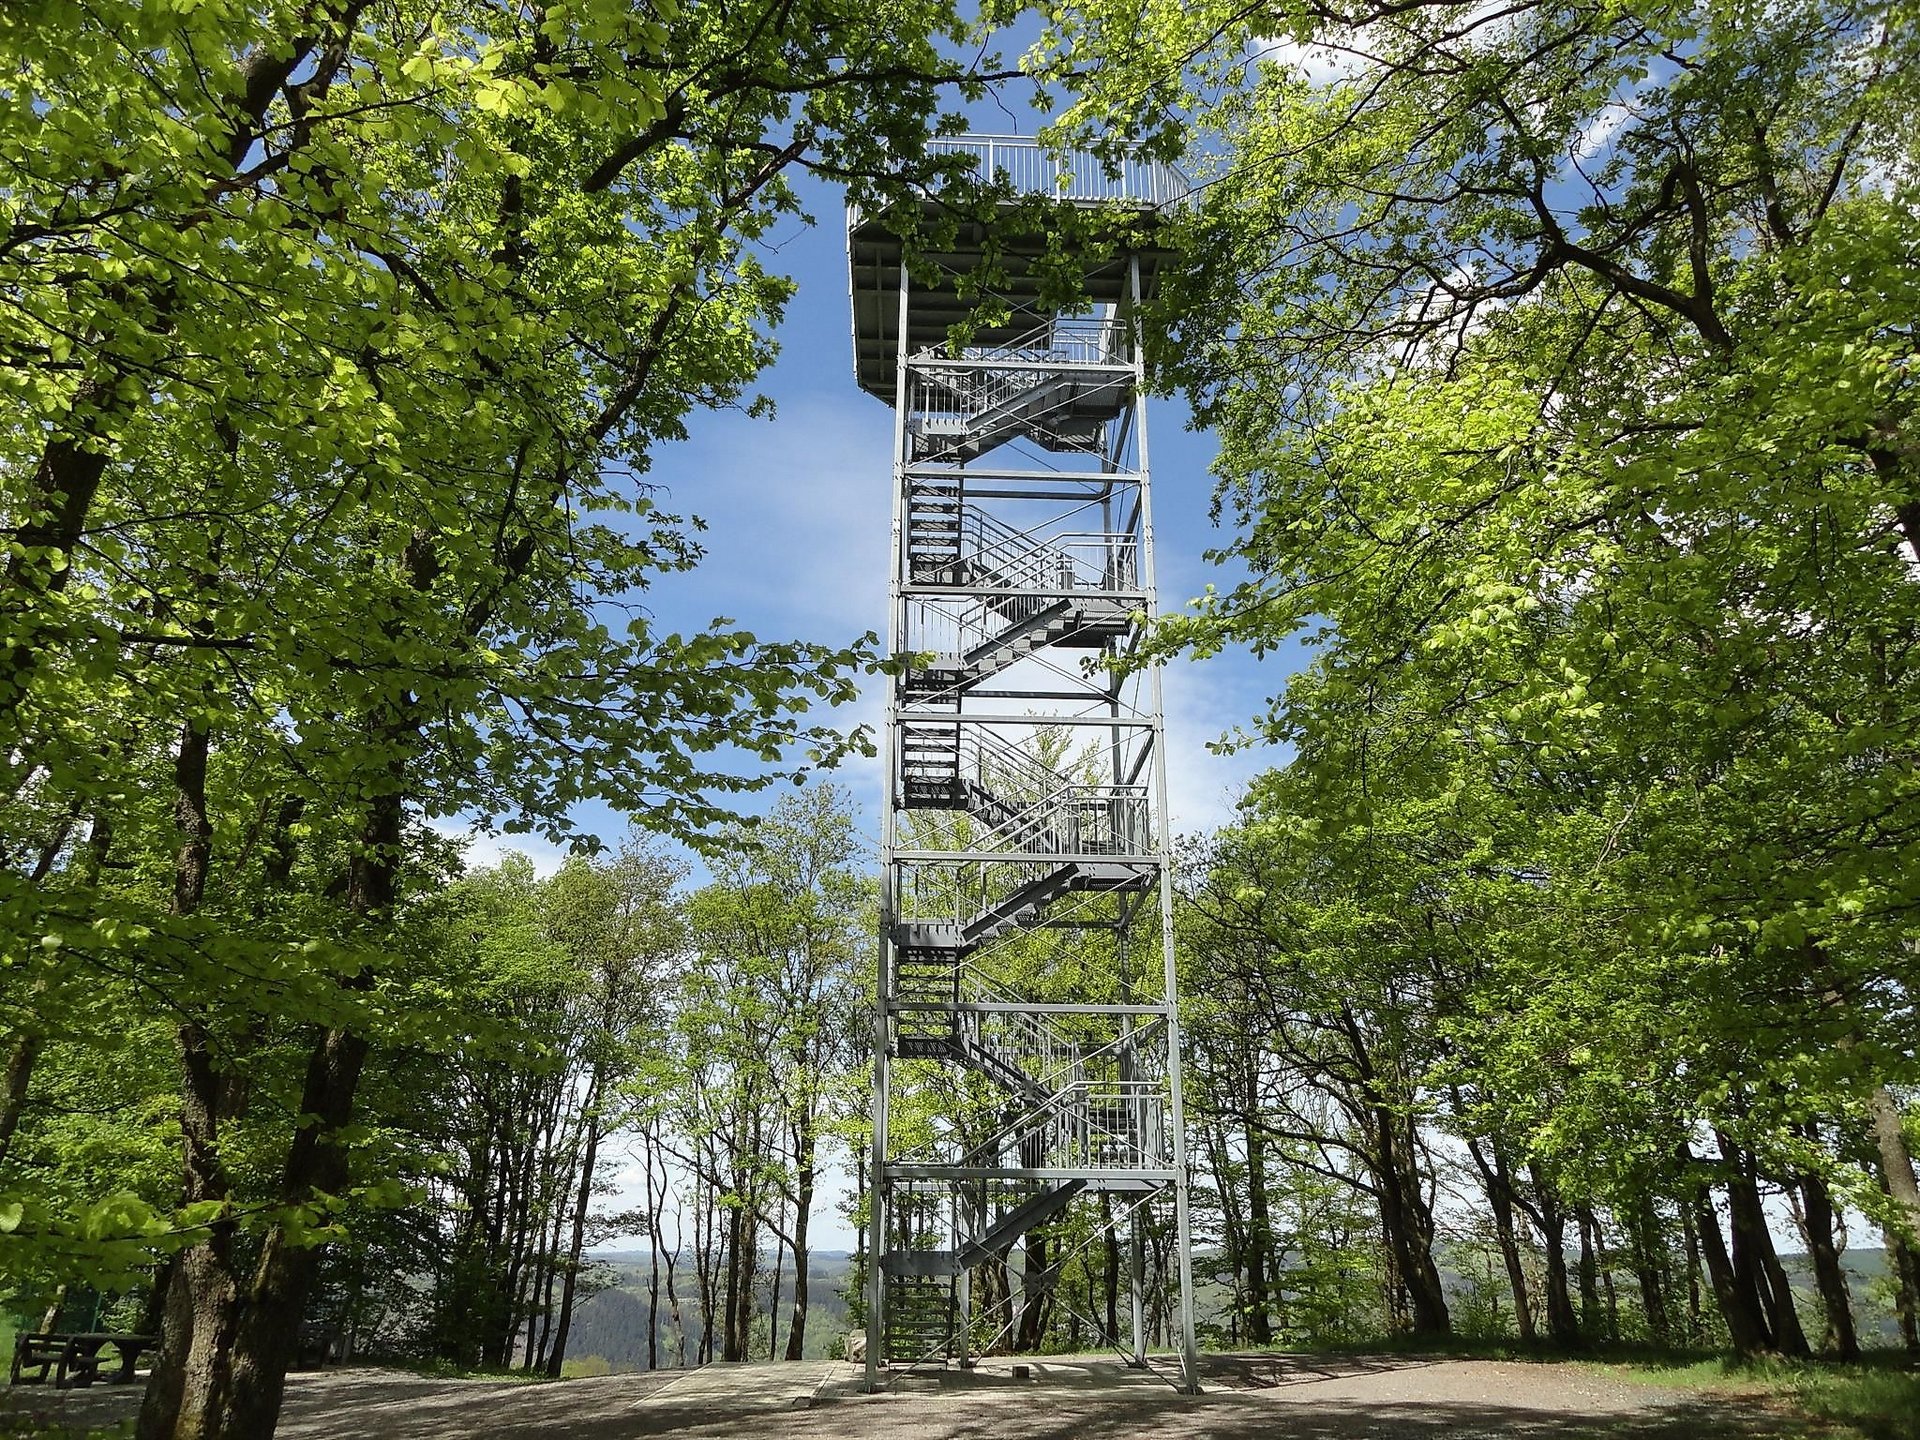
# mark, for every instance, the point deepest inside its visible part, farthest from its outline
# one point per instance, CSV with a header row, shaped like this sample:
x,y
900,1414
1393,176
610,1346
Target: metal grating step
x,y
919,1317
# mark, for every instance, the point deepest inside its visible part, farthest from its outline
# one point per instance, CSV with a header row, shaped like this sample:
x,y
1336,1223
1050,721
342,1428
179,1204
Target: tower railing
x,y
979,888
1081,819
1098,340
1000,557
1086,1124
997,556
1026,167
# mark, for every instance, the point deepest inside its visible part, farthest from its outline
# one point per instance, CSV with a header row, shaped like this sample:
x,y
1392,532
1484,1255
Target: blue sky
x,y
798,507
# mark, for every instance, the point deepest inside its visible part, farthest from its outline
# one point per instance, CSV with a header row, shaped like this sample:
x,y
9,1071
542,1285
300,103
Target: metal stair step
x,y
919,1264
919,1310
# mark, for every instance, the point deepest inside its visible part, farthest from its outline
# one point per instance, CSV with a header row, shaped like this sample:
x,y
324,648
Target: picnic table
x,y
72,1360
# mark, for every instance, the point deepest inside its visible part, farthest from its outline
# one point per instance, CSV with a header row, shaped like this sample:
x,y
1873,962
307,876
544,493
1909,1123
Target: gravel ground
x,y
1271,1397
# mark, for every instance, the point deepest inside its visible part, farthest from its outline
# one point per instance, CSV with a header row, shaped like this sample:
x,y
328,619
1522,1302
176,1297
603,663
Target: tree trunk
x,y
1498,1182
64,485
1033,1296
1409,1228
1755,1262
1816,1218
739,1282
516,1201
153,1315
536,1244
1259,1233
1563,1326
1901,1259
705,1282
269,1332
21,1059
226,1378
25,1053
802,1213
773,1288
654,1208
1906,1275
1896,1161
1233,1244
190,1384
1589,1272
1611,1308
1696,1321
1648,1250
1112,1248
557,1191
557,1355
1746,1327
673,1295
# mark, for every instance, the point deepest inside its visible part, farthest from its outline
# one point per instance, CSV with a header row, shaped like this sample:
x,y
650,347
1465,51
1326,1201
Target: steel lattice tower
x,y
1027,1089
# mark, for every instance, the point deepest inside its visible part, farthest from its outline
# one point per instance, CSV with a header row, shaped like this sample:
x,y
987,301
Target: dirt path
x,y
1248,1397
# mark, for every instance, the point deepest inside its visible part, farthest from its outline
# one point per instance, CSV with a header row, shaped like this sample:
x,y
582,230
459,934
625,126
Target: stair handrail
x,y
1029,769
1040,1041
1013,559
1076,1066
984,378
1060,340
1019,560
1078,818
1027,831
1119,1043
1069,1103
1057,1054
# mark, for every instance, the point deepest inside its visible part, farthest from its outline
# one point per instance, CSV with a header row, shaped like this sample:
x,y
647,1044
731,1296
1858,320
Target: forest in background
x,y
1563,365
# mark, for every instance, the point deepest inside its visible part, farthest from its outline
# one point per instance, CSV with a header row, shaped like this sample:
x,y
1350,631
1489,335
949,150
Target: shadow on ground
x,y
1248,1397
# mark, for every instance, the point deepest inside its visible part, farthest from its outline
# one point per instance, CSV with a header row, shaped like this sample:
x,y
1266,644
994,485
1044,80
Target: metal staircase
x,y
920,1314
1021,569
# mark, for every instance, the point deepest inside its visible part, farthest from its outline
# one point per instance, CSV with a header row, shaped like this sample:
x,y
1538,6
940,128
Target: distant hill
x,y
612,1324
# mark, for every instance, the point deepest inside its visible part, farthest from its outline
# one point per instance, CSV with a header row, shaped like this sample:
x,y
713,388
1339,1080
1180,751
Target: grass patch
x,y
1877,1398
1881,1403
1652,1359
1682,1371
21,1426
447,1370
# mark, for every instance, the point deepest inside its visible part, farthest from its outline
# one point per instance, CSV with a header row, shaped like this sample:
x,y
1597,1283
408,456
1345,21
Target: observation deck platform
x,y
1140,193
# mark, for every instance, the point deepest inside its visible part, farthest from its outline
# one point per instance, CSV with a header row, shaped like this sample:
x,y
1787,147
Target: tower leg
x,y
964,1230
889,889
876,1285
1137,1278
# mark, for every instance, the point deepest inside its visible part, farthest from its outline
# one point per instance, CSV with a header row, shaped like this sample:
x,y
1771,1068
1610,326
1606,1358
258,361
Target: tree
x,y
623,924
1562,367
775,999
338,335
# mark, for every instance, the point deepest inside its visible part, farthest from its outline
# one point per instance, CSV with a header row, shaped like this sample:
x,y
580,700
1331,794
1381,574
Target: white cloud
x,y
797,510
1318,65
483,850
1203,700
1597,138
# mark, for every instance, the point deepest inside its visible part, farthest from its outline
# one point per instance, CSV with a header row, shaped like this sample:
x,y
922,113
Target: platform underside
x,y
874,253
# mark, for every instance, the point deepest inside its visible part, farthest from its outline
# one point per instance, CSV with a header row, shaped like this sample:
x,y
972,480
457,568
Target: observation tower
x,y
1027,1094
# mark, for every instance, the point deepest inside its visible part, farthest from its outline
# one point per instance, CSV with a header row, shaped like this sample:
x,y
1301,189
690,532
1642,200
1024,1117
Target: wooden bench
x,y
74,1360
